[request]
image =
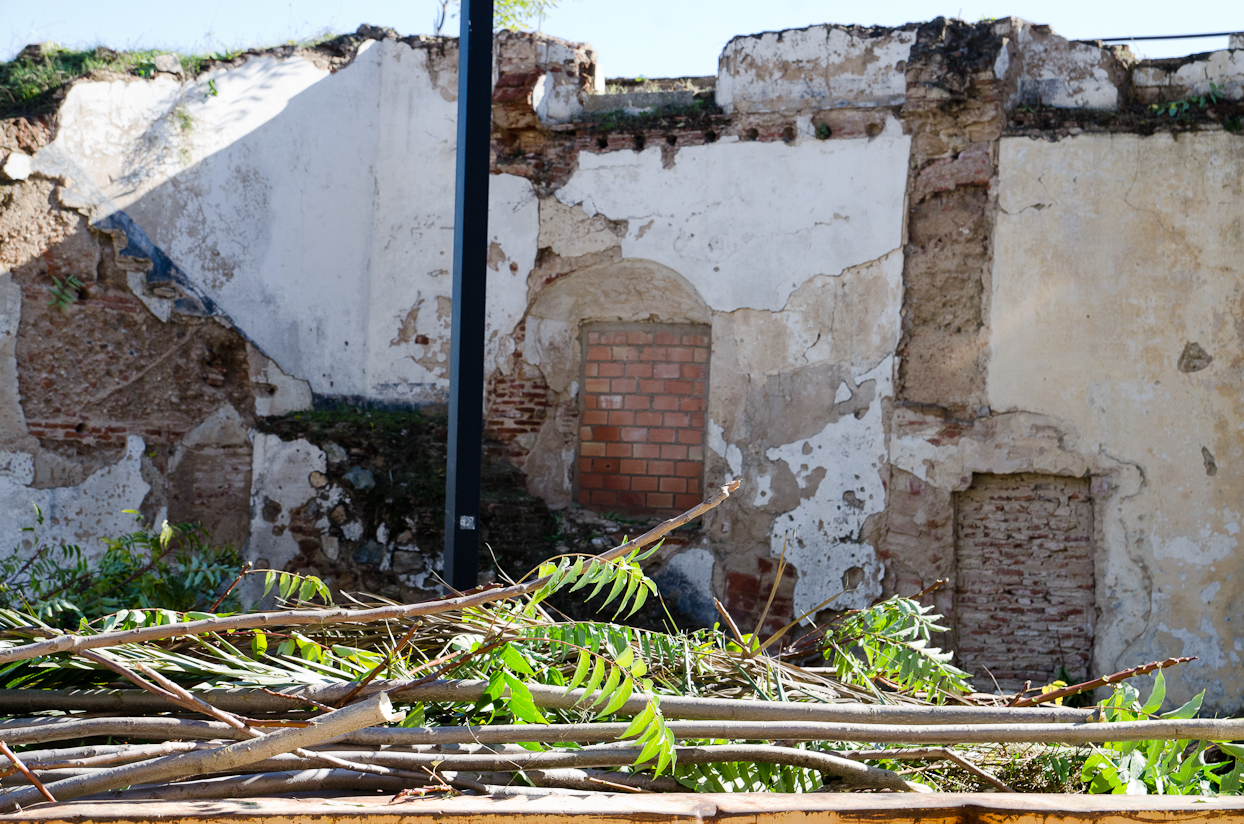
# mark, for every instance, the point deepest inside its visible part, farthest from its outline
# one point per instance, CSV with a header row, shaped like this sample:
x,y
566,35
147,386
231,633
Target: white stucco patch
x,y
748,222
1206,644
279,475
79,514
1053,71
690,575
822,535
819,67
1224,69
732,454
1210,591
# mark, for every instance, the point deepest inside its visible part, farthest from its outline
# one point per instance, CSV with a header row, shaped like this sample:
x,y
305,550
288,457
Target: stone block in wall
x,y
1043,69
1161,81
820,67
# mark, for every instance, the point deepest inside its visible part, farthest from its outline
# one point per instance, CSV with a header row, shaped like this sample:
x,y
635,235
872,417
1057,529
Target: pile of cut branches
x,y
492,692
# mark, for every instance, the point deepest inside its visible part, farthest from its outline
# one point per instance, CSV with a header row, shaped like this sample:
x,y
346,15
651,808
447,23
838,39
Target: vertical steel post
x,y
466,354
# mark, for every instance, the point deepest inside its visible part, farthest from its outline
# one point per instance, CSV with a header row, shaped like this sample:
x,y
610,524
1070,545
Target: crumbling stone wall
x,y
112,408
906,280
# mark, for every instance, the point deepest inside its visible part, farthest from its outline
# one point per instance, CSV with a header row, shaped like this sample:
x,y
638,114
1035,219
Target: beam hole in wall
x,y
641,435
752,134
640,142
1024,595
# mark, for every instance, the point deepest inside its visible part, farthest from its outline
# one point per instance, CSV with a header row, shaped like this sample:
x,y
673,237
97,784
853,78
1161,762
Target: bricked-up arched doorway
x,y
1024,595
641,434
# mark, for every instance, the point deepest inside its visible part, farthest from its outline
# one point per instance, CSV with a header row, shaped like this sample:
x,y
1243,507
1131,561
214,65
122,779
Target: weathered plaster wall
x,y
1117,312
276,219
905,290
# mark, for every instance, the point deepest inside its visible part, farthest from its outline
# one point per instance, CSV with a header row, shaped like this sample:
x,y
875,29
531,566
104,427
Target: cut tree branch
x,y
1076,689
254,702
377,710
70,642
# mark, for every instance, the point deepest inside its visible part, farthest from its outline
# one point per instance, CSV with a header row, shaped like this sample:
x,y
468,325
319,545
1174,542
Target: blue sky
x,y
653,38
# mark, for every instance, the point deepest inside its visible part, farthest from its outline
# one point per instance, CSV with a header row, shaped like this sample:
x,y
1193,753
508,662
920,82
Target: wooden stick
x,y
151,729
70,642
377,710
24,770
245,569
854,773
1076,689
253,702
1200,729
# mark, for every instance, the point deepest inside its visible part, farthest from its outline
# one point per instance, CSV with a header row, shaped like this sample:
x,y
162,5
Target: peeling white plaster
x,y
1209,548
317,236
747,223
690,574
1206,645
825,529
732,454
1222,68
764,490
79,514
280,474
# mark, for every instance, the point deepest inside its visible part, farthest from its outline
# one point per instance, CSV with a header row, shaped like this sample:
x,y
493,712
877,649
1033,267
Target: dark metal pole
x,y
466,353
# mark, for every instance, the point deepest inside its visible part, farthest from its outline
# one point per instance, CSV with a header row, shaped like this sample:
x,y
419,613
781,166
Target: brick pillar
x,y
641,439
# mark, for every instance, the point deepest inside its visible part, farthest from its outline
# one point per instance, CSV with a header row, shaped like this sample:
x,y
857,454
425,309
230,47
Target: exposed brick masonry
x,y
1024,596
641,439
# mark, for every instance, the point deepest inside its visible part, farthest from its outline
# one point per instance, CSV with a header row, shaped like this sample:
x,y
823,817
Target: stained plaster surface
x,y
302,226
794,249
1113,254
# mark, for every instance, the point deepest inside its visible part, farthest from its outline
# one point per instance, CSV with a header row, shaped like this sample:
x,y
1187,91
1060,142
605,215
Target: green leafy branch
x,y
1162,767
290,585
608,678
892,640
625,575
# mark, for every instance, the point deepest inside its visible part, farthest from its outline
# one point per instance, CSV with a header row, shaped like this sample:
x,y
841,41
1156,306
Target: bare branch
x,y
231,756
1076,689
24,770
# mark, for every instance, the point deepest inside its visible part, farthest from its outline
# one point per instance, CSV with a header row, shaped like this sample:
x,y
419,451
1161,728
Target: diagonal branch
x,y
24,770
70,642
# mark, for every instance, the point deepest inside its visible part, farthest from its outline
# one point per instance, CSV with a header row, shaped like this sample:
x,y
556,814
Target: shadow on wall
x,y
286,215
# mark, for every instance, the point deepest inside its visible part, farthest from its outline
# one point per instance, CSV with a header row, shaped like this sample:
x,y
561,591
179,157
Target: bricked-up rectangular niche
x,y
641,435
1024,600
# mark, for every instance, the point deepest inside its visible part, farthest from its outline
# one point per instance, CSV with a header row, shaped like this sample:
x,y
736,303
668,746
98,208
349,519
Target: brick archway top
x,y
626,291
